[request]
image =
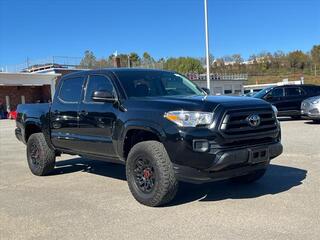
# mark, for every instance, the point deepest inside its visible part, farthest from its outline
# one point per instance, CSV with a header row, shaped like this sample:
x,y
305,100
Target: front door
x,y
275,97
97,119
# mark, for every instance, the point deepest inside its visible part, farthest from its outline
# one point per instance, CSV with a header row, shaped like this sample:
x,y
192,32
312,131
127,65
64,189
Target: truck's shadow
x,y
277,179
91,166
312,123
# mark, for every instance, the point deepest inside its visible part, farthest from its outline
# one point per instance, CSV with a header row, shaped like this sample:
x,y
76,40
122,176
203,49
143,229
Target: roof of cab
x,y
115,71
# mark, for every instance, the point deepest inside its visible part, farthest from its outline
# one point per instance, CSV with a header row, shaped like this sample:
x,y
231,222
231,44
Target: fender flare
x,y
140,125
41,126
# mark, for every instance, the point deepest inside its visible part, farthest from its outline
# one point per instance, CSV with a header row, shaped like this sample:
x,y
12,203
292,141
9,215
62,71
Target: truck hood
x,y
197,103
217,99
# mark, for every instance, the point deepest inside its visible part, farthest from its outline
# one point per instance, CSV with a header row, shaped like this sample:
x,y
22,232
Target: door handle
x,y
83,113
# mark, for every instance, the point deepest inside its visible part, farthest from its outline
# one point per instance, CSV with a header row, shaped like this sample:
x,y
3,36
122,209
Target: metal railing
x,y
30,65
218,76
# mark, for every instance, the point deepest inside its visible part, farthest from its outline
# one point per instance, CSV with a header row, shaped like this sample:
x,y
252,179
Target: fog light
x,y
200,145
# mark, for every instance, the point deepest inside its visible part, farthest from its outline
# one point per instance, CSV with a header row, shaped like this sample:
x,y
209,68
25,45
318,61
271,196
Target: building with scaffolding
x,y
34,83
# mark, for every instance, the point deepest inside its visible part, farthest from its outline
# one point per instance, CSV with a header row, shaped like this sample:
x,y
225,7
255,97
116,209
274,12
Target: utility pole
x,y
207,42
27,62
129,64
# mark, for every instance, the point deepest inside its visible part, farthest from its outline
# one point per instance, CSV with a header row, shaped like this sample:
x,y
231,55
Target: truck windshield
x,y
156,84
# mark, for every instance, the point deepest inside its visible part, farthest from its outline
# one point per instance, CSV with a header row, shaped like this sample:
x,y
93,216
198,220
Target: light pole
x,y
207,42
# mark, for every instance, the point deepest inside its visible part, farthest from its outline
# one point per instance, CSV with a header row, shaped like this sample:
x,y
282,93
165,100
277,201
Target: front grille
x,y
243,142
235,122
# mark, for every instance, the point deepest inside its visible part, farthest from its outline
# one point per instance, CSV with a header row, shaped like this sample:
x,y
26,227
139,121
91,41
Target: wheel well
x,y
31,129
135,136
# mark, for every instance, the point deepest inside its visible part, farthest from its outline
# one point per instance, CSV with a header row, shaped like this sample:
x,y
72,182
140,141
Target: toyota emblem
x,y
254,120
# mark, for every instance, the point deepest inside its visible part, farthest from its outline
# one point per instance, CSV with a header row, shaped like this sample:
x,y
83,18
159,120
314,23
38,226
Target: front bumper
x,y
222,151
231,163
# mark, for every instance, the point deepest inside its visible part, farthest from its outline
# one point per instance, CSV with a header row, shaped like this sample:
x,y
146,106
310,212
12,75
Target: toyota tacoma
x,y
160,125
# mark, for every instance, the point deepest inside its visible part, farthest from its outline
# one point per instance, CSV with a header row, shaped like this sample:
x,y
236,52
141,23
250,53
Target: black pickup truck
x,y
163,127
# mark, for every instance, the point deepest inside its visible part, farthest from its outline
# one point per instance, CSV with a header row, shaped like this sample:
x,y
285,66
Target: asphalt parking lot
x,y
86,199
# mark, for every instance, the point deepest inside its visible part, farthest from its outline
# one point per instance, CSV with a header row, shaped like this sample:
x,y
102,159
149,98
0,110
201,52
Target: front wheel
x,y
150,174
251,177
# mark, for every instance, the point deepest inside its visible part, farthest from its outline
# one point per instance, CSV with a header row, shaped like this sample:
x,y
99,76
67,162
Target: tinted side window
x,y
97,83
70,90
294,91
313,90
277,92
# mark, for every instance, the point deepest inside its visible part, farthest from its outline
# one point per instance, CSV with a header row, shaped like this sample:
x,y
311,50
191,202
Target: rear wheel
x,y
251,177
41,159
316,120
150,174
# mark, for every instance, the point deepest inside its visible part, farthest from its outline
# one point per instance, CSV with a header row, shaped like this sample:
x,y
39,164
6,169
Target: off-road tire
x,y
249,178
45,160
165,185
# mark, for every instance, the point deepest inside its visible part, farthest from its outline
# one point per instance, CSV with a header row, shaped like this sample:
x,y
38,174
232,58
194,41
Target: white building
x,y
222,84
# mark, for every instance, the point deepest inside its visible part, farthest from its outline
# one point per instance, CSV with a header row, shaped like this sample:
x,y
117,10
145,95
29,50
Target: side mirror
x,y
103,96
207,90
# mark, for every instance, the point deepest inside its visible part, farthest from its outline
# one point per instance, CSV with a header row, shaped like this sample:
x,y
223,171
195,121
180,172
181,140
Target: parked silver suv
x,y
311,108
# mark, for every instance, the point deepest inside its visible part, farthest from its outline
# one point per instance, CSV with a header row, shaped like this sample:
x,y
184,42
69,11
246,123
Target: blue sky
x,y
38,29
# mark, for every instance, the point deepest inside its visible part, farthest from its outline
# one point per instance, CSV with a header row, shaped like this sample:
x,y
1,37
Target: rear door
x,y
293,98
64,114
97,119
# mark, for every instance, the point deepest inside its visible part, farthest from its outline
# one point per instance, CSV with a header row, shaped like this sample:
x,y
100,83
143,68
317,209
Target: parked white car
x,y
311,108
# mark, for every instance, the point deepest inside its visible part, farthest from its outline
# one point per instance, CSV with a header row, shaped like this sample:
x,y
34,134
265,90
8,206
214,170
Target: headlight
x,y
275,110
189,118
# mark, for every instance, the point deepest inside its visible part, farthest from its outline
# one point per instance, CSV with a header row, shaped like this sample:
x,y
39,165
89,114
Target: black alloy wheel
x,y
34,155
145,176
